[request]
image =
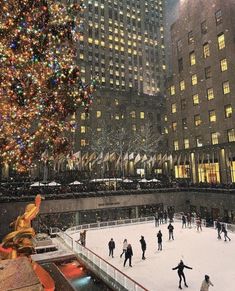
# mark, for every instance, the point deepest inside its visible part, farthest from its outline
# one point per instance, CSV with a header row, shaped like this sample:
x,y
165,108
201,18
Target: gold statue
x,y
19,242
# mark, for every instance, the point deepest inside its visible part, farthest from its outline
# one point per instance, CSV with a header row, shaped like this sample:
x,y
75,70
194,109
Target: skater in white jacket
x,y
206,283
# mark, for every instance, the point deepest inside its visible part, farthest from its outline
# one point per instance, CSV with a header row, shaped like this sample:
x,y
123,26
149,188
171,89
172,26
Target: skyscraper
x,y
200,101
123,42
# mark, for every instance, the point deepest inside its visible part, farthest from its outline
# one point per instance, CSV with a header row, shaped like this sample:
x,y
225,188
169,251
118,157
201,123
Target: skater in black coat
x,y
159,240
218,227
128,255
143,247
225,233
181,275
183,221
171,229
111,247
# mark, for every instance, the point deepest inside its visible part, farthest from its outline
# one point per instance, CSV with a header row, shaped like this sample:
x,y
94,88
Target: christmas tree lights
x,y
40,83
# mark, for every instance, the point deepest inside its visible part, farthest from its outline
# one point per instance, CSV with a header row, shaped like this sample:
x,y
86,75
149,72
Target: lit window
x,y
165,117
226,87
192,58
208,72
83,116
194,79
141,115
197,120
228,110
186,143
173,108
190,38
210,94
218,17
98,129
83,142
132,113
116,102
231,135
195,99
199,141
176,145
184,123
83,129
182,85
98,114
212,116
117,117
223,65
206,50
172,90
174,126
215,138
134,127
221,41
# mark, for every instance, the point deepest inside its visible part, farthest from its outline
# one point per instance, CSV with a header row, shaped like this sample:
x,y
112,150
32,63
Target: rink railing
x,y
107,224
229,227
121,222
112,276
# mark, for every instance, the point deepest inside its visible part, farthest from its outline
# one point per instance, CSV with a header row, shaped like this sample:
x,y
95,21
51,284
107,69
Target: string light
x,y
40,85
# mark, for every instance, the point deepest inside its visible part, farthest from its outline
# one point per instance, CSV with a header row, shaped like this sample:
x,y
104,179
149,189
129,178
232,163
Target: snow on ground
x,y
200,250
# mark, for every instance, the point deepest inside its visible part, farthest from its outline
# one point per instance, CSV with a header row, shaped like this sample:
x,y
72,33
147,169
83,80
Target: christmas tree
x,y
40,83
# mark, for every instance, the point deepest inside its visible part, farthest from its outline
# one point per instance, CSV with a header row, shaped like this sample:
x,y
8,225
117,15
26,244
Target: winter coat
x,y
218,226
129,253
111,245
183,219
224,230
181,267
143,244
170,227
205,285
159,237
124,247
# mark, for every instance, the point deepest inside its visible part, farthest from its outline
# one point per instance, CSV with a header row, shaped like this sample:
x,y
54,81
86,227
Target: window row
x,y
84,115
228,110
199,140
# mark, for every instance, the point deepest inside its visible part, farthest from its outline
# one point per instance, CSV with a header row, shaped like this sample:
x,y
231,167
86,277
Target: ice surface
x,y
200,250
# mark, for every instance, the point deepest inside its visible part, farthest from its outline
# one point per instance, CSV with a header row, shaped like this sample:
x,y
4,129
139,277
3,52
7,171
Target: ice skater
x,y
156,217
206,283
181,275
171,229
183,221
128,255
199,223
224,230
159,240
124,247
218,227
189,220
143,247
111,245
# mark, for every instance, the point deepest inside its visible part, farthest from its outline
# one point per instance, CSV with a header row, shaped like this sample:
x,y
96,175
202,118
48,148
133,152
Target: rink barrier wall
x,y
229,227
112,276
121,222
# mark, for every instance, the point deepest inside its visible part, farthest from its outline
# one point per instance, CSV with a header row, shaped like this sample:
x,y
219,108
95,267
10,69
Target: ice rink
x,y
200,250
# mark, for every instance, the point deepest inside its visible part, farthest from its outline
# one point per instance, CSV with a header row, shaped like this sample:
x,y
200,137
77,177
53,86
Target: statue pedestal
x,y
18,274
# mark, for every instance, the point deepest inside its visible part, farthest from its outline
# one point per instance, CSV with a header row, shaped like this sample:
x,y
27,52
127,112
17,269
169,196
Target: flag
x,y
145,158
112,157
118,162
179,160
126,157
131,156
77,155
137,159
106,158
100,158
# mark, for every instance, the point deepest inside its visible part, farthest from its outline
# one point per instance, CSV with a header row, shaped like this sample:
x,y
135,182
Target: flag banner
x,y
179,160
112,157
131,156
77,155
118,162
126,157
145,158
106,157
137,159
99,159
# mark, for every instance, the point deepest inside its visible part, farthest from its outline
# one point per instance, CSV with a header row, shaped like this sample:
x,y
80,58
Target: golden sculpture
x,y
19,242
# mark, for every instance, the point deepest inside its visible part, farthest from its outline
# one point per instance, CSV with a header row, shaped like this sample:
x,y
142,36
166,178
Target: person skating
x,y
159,240
171,229
206,283
156,217
199,223
124,247
128,255
143,247
111,247
218,227
189,220
165,216
183,221
224,230
181,275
